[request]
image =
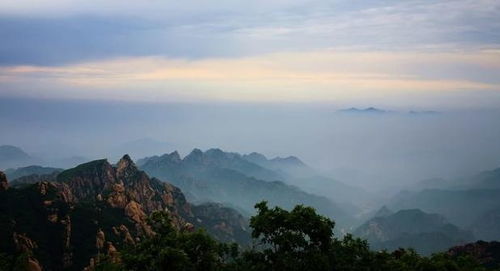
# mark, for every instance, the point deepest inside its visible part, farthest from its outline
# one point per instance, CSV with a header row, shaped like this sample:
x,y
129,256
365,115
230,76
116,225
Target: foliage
x,y
170,249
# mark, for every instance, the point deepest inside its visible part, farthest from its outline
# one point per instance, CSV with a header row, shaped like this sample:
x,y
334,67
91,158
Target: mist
x,y
375,151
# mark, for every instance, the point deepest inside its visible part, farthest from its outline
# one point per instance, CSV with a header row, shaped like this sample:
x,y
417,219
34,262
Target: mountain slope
x,y
297,173
14,173
427,233
461,207
96,207
210,176
11,156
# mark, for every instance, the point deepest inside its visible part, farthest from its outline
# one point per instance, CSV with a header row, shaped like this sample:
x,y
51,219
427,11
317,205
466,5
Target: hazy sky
x,y
402,53
98,78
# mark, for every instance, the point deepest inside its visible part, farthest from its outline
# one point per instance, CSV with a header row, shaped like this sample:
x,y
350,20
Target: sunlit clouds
x,y
326,75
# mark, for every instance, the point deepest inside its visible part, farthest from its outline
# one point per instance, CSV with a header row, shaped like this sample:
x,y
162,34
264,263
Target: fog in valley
x,y
378,151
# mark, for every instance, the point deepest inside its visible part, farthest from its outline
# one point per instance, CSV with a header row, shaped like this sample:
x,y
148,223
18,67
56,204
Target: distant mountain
x,y
383,212
426,233
485,180
97,208
11,156
223,177
287,167
461,207
14,173
487,225
466,208
368,110
295,172
489,179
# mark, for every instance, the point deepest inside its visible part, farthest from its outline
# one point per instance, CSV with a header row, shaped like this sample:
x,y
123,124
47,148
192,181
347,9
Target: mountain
x,y
383,212
14,173
487,225
96,208
426,233
464,208
485,180
489,179
11,156
287,167
295,172
139,147
368,110
4,184
228,178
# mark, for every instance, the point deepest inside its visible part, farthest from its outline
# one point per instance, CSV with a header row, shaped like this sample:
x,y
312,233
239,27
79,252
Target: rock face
x,y
99,200
4,184
426,233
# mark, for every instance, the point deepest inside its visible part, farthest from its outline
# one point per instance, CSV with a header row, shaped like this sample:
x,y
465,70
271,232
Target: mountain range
x,y
231,178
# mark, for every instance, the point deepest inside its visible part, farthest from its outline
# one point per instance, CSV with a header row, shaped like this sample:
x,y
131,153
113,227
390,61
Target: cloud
x,y
324,75
60,32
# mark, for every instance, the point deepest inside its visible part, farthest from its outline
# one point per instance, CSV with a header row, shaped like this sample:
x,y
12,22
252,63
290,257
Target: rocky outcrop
x,y
4,184
96,198
26,246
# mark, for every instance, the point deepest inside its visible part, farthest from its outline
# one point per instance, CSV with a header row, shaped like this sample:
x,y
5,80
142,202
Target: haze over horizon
x,y
89,78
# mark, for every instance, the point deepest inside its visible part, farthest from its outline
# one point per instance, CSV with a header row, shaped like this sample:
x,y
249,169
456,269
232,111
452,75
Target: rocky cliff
x,y
95,208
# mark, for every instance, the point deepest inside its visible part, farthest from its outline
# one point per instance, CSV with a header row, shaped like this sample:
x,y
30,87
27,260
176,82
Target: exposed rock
x,y
95,197
124,233
135,212
113,253
23,243
4,185
100,239
33,265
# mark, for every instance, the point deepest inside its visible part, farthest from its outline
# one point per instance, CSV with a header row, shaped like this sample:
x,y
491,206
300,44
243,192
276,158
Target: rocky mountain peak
x,y
256,157
4,184
196,156
125,167
175,156
290,160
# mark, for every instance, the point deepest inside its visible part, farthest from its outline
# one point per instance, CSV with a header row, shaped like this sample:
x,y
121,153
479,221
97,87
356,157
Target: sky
x,y
395,53
95,79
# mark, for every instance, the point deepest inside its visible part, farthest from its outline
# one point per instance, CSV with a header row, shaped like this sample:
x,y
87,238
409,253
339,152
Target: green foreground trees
x,y
299,239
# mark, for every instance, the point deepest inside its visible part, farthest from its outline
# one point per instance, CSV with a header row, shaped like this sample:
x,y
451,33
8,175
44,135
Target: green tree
x,y
298,239
170,249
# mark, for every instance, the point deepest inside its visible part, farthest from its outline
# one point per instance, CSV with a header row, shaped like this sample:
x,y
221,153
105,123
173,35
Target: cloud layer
x,y
297,50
